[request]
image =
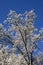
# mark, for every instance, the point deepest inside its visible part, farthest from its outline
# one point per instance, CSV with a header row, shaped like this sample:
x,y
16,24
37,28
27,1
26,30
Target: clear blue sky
x,y
20,6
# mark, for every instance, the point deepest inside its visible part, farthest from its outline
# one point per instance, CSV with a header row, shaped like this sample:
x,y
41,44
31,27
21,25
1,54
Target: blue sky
x,y
20,6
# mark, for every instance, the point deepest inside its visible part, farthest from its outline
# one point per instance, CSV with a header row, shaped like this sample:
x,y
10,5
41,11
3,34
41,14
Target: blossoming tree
x,y
19,31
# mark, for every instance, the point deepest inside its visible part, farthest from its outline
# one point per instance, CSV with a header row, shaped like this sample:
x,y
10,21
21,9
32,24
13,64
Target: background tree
x,y
19,31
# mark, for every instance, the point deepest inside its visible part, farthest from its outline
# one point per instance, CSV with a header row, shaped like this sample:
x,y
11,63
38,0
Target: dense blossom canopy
x,y
19,31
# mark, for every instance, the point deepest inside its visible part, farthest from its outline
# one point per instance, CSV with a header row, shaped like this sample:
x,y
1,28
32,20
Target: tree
x,y
19,31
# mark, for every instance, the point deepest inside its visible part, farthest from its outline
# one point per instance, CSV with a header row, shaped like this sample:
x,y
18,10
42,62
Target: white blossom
x,y
21,33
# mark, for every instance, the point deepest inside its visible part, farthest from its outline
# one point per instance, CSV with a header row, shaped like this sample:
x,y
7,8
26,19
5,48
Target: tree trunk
x,y
31,60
